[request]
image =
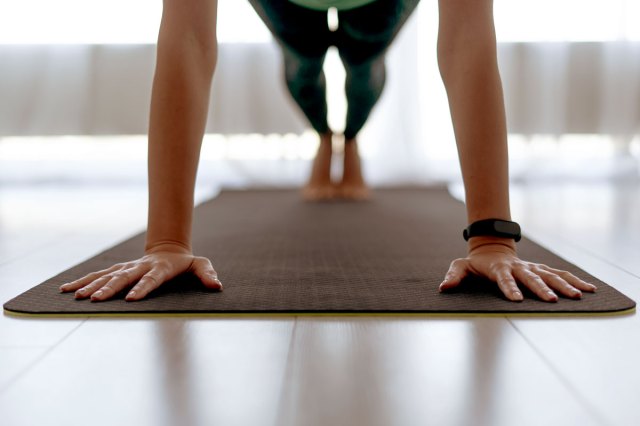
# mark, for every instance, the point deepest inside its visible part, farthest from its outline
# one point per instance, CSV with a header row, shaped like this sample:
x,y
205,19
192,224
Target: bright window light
x,y
135,22
567,20
112,22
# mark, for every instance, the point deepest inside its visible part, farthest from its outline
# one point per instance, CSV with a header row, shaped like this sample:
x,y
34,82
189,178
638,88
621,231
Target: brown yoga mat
x,y
276,253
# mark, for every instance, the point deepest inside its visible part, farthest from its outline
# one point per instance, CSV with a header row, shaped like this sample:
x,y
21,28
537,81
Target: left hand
x,y
501,264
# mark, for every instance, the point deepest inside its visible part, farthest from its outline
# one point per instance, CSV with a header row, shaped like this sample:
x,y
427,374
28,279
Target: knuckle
x,y
139,288
520,264
566,275
540,281
92,276
199,260
147,282
560,280
501,270
89,286
508,279
144,283
161,264
121,276
104,278
458,264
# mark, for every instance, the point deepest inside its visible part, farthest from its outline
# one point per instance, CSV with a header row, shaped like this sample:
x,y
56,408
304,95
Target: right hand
x,y
144,275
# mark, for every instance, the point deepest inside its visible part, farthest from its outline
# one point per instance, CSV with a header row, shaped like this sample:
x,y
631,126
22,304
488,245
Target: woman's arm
x,y
186,60
467,60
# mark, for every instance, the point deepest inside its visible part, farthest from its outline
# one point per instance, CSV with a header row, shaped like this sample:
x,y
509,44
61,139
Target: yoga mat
x,y
276,253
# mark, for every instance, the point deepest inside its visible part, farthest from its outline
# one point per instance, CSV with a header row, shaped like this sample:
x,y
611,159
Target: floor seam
x,y
287,375
573,391
32,364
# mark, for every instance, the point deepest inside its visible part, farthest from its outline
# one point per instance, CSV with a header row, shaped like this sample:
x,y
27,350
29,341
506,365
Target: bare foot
x,y
353,186
320,186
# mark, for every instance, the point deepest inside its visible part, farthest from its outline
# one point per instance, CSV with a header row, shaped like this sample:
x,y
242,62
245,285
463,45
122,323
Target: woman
x,y
366,29
187,54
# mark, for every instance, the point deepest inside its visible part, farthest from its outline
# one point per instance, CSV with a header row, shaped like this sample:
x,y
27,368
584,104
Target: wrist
x,y
486,241
167,246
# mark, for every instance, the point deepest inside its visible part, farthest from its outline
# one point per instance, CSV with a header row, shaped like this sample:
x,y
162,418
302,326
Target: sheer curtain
x,y
85,68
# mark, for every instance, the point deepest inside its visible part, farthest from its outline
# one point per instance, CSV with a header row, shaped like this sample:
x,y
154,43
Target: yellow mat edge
x,y
629,311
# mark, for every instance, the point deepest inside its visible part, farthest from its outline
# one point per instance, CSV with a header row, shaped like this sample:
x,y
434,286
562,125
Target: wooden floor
x,y
317,370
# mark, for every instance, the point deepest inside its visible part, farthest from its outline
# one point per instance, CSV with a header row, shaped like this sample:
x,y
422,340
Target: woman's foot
x,y
320,186
352,186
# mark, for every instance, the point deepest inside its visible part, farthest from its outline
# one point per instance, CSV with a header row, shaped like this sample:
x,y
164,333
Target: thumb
x,y
203,269
457,271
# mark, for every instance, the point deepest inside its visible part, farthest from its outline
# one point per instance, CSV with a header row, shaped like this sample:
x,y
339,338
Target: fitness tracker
x,y
494,228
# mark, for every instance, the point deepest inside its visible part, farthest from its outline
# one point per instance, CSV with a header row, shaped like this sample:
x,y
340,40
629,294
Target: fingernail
x,y
131,294
63,287
517,295
96,295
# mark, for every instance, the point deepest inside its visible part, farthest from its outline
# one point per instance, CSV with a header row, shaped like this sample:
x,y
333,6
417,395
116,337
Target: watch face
x,y
507,227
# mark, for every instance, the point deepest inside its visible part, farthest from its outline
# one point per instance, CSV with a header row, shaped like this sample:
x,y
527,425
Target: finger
x,y
508,286
81,282
454,276
571,279
558,284
203,269
119,281
92,287
149,282
534,283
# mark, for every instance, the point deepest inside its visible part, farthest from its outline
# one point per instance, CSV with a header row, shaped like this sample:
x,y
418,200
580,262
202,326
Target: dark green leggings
x,y
362,37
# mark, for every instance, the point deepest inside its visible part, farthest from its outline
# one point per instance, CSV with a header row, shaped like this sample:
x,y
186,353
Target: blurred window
x,y
112,22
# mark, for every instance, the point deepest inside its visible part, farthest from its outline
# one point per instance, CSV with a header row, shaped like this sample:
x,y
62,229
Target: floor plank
x,y
600,218
156,372
416,371
598,357
17,360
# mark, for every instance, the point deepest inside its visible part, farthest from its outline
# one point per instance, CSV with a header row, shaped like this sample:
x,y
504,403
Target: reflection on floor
x,y
312,370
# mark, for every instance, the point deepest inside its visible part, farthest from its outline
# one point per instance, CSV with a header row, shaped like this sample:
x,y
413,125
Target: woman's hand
x,y
147,273
500,264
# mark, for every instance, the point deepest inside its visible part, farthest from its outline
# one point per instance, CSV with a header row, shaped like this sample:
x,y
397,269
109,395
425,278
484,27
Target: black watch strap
x,y
494,228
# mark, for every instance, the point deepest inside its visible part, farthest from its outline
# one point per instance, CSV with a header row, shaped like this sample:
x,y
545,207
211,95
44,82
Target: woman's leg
x,y
363,36
304,37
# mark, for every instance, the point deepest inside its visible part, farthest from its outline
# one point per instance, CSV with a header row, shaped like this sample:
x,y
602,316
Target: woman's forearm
x,y
468,64
179,105
475,100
